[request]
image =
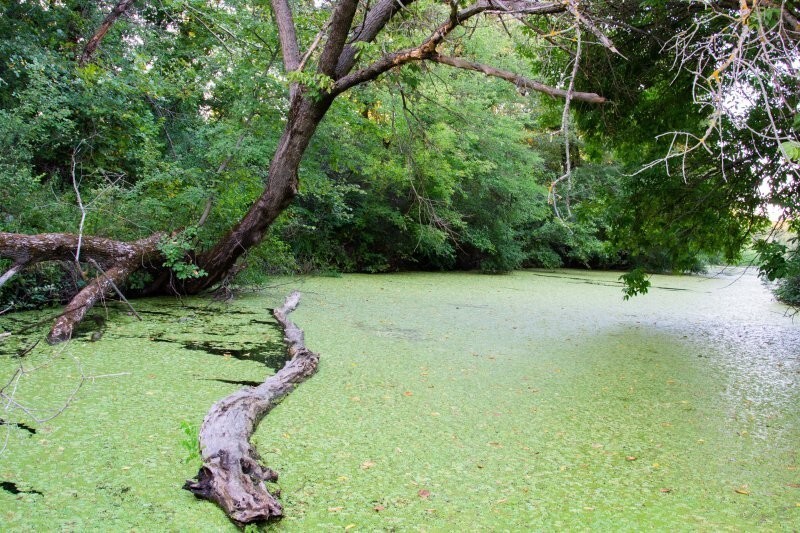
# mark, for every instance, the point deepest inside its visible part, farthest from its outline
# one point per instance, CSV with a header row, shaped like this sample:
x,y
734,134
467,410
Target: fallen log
x,y
231,475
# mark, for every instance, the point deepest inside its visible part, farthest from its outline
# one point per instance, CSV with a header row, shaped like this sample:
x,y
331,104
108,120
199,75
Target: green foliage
x,y
190,441
636,282
791,151
315,84
780,262
175,250
37,287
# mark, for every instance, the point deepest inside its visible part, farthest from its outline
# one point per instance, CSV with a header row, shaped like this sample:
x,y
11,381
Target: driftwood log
x,y
231,475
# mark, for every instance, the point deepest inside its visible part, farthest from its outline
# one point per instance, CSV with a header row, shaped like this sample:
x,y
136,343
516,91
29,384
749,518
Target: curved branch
x,y
231,475
92,44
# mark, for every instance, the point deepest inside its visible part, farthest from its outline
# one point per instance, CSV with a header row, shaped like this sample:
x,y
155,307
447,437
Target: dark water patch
x,y
20,425
11,487
243,382
156,313
266,322
271,354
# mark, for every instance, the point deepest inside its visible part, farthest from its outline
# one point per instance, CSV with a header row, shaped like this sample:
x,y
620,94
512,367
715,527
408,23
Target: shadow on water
x,y
19,425
270,354
12,488
243,383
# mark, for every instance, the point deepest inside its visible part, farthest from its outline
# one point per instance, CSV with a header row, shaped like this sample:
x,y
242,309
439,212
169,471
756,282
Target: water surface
x,y
532,401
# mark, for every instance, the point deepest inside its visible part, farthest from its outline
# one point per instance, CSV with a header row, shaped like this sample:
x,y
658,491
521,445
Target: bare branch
x,y
61,247
10,273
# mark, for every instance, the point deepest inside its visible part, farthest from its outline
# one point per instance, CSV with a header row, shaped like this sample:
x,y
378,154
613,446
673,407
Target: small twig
x,y
313,46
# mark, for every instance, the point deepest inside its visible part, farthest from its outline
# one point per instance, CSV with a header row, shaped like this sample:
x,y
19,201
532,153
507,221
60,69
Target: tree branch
x,y
92,44
16,267
286,34
516,79
341,20
374,22
428,47
22,248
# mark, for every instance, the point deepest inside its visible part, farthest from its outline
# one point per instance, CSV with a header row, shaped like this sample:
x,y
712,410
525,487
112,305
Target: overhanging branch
x,y
428,47
516,79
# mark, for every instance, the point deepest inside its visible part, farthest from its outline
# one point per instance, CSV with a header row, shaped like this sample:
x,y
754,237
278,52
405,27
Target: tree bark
x,y
231,475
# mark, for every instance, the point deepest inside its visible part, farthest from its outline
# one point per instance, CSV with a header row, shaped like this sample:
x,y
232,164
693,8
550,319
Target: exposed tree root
x,y
231,475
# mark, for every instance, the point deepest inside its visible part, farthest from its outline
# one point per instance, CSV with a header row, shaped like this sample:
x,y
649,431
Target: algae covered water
x,y
532,401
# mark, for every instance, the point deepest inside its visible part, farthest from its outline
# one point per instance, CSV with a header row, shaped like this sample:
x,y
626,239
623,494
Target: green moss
x,y
537,400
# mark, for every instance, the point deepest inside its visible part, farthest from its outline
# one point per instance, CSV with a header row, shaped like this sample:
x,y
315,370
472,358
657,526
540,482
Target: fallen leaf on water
x,y
367,464
424,494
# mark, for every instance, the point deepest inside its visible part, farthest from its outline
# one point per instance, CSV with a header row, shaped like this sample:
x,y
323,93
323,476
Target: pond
x,y
537,400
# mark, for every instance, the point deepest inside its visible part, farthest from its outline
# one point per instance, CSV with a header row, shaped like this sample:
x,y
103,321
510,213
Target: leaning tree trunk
x,y
282,186
232,475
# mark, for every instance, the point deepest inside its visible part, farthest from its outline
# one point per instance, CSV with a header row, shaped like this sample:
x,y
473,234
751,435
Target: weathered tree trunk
x,y
120,259
232,475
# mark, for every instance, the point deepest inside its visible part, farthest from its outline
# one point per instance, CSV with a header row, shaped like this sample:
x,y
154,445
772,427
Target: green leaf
x,y
791,150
